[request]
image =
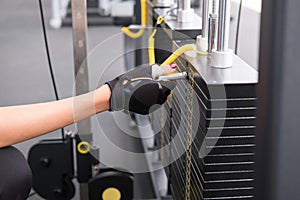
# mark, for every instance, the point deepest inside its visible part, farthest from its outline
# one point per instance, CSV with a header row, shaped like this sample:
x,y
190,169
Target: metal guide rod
x,y
214,7
213,26
205,12
202,40
186,4
179,4
79,29
185,13
223,27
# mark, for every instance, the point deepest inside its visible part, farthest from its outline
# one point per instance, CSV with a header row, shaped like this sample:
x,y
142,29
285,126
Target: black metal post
x,y
278,117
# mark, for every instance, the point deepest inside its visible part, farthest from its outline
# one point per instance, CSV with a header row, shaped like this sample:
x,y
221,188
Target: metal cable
x,y
48,57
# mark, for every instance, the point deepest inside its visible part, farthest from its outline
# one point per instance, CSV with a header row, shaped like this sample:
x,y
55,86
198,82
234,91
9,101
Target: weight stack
x,y
223,129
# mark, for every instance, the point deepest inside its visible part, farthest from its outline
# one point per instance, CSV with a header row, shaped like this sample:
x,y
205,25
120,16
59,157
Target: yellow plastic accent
x,y
83,147
151,48
111,194
127,32
138,34
159,20
178,52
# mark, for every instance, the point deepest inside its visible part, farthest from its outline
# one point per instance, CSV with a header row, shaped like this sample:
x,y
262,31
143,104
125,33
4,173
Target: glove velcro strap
x,y
117,98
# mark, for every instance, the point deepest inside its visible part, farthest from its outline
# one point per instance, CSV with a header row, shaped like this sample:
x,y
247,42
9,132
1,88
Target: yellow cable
x,y
138,34
151,53
151,48
179,52
143,12
131,34
204,53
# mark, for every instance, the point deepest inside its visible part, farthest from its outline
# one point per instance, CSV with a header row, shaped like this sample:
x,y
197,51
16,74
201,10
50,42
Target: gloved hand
x,y
138,90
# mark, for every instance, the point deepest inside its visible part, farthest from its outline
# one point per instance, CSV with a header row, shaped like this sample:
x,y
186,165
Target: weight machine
x,y
54,160
212,114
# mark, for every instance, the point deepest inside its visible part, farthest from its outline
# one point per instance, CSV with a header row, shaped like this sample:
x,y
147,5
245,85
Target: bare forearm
x,y
19,123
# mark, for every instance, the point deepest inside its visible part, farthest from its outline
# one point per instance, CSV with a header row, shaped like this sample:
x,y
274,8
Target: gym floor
x,y
25,76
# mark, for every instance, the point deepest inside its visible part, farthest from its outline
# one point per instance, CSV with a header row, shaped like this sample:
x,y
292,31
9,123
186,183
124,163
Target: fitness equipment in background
x,y
52,163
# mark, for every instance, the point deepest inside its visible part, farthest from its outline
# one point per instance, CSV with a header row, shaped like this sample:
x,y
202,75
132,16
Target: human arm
x,y
20,123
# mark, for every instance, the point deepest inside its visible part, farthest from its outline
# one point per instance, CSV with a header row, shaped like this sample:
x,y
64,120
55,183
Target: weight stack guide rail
x,y
223,125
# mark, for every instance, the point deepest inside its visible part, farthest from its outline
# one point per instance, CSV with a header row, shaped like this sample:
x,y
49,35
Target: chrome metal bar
x,y
55,20
179,4
213,27
186,4
223,27
214,7
205,13
175,76
79,29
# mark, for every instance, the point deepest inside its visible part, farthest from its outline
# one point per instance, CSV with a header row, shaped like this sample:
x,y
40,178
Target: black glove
x,y
138,91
